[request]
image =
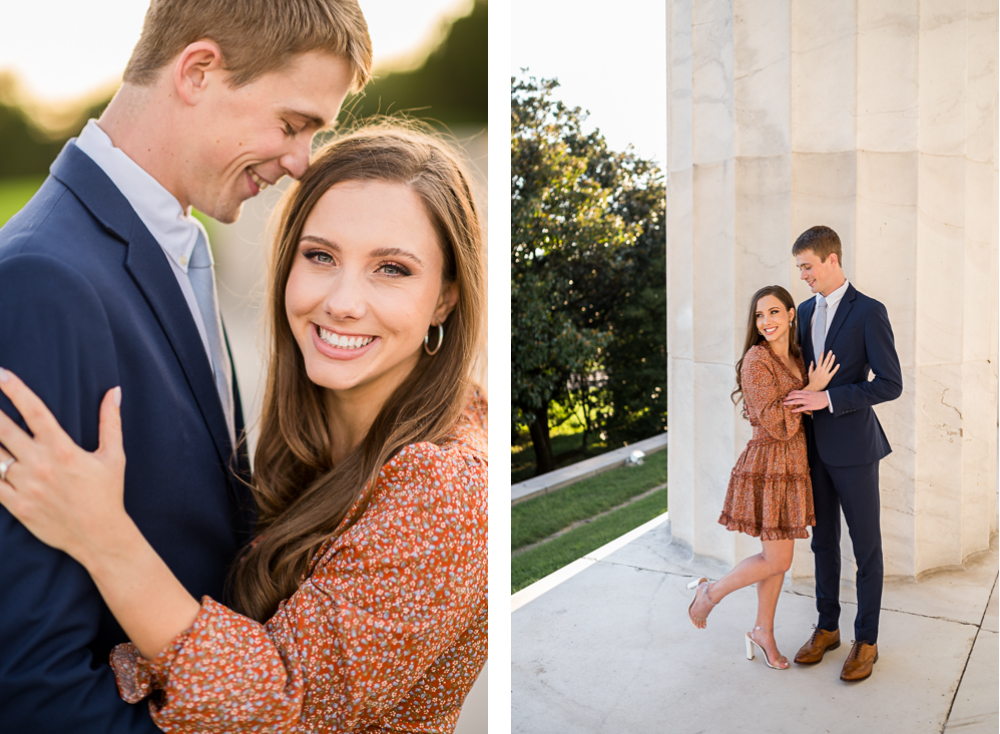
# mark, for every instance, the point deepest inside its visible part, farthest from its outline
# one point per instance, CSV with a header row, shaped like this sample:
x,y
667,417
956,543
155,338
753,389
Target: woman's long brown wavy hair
x,y
302,498
754,337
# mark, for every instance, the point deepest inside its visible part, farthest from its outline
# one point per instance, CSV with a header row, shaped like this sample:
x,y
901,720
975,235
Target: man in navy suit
x,y
106,280
845,441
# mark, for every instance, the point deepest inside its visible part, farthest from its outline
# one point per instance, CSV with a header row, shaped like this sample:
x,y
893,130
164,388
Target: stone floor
x,y
610,649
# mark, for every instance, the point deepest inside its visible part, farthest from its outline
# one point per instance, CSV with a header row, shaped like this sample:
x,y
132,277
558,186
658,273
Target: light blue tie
x,y
201,273
819,330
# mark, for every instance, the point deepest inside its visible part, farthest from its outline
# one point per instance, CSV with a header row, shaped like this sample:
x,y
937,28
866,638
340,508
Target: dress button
x,y
184,261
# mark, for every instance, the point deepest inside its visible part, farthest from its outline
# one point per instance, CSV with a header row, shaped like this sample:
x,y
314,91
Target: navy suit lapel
x,y
805,331
843,310
90,184
151,272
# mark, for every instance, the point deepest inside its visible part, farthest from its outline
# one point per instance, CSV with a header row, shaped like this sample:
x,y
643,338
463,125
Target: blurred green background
x,y
448,89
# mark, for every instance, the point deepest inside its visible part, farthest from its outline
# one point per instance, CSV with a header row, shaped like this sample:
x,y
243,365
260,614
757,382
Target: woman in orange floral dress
x,y
770,494
361,603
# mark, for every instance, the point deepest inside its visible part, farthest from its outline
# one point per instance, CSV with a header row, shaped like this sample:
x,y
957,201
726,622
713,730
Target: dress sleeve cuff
x,y
138,677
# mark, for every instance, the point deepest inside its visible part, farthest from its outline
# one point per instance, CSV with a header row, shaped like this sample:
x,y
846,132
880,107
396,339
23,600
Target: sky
x,y
609,58
62,50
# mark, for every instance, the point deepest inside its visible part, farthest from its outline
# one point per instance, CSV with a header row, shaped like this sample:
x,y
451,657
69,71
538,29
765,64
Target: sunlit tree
x,y
587,274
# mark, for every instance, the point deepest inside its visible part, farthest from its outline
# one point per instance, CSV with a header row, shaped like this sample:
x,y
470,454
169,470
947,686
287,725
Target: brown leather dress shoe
x,y
859,663
821,641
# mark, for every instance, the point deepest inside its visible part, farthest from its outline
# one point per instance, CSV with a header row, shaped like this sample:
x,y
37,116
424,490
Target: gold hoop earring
x,y
440,341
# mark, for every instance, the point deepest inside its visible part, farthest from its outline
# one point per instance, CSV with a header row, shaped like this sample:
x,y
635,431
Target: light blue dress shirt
x,y
832,301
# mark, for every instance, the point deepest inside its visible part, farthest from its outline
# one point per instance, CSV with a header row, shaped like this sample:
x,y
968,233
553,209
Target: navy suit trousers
x,y
855,490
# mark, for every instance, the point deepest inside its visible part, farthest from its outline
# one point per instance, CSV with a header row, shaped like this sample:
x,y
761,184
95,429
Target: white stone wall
x,y
879,119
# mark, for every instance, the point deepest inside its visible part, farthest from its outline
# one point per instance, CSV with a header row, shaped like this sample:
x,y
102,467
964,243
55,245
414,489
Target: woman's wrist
x,y
119,540
148,601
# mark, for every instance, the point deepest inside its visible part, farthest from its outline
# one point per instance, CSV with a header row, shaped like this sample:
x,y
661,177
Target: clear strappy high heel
x,y
752,643
700,586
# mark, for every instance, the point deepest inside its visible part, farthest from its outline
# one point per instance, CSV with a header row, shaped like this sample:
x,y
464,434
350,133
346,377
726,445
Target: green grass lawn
x,y
536,519
540,517
14,194
534,564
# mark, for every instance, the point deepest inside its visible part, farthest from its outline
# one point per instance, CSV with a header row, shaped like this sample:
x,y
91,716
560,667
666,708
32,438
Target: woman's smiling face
x,y
365,285
773,319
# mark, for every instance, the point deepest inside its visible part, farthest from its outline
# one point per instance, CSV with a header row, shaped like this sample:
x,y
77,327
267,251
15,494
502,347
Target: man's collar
x,y
174,228
834,298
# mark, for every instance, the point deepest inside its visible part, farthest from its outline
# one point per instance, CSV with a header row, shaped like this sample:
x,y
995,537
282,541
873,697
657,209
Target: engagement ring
x,y
4,466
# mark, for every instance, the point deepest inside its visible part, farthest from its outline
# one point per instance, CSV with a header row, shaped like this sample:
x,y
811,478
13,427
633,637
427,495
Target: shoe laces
x,y
855,649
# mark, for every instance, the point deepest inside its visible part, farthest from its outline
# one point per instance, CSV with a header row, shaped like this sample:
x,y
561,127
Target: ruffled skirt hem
x,y
768,533
771,505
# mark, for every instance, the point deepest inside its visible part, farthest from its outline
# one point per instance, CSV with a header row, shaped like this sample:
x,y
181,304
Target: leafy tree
x,y
26,150
561,225
636,366
588,275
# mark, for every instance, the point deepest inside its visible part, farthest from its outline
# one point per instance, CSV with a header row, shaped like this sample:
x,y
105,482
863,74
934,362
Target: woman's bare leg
x,y
768,591
774,559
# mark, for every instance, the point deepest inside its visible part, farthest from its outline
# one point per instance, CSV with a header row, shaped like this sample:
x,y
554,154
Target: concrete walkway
x,y
611,650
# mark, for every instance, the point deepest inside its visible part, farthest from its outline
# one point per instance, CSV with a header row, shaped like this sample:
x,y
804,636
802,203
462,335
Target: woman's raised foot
x,y
702,603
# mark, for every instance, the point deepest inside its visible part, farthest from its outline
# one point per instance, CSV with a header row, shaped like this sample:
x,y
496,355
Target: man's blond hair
x,y
255,36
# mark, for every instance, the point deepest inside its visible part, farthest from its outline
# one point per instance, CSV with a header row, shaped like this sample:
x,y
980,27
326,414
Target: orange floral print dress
x,y
387,633
770,493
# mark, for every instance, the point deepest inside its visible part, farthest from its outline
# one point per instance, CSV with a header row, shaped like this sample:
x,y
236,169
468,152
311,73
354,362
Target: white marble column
x,y
763,94
886,226
702,297
879,119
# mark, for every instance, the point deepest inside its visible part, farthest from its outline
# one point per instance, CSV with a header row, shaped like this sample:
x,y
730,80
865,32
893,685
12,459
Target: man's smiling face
x,y
255,134
822,277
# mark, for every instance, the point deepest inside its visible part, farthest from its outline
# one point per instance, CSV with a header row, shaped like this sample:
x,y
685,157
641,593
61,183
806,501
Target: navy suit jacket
x,y
88,301
861,339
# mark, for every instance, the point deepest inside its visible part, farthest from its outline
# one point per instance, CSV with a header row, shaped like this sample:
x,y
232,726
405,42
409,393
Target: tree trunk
x,y
542,442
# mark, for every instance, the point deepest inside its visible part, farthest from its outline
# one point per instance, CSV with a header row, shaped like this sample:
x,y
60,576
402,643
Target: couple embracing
x,y
342,585
815,451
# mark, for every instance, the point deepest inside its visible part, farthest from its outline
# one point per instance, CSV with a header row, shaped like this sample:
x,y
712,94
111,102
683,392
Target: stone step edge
x,y
581,470
543,585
